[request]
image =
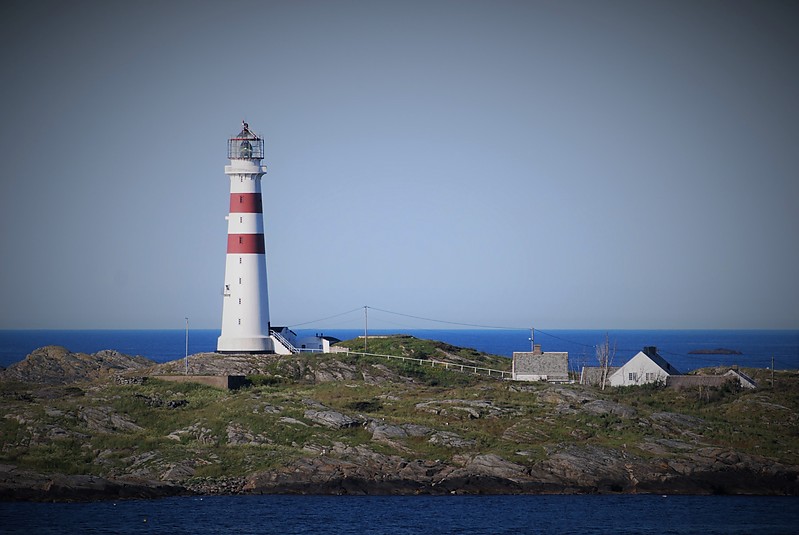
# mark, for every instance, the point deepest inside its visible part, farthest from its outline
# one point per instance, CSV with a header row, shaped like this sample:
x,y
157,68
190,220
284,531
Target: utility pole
x,y
365,326
187,346
772,371
532,339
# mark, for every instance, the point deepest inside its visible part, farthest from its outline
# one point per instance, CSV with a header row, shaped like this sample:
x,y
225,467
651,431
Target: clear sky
x,y
558,164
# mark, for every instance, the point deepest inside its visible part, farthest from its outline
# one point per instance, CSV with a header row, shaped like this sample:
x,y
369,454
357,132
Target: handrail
x,y
285,342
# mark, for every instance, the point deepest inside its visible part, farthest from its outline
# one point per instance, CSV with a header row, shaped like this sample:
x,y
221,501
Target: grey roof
x,y
653,355
555,365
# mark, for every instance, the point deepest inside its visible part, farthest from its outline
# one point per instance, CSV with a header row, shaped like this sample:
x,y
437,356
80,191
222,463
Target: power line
x,y
694,357
450,322
327,318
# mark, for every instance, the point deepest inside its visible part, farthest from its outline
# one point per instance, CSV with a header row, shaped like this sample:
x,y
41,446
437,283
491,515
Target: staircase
x,y
285,343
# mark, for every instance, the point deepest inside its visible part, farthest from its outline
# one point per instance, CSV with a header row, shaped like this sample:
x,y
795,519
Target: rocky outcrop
x,y
58,365
574,469
17,484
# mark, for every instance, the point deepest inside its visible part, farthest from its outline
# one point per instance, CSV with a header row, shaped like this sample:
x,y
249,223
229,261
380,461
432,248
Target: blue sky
x,y
557,164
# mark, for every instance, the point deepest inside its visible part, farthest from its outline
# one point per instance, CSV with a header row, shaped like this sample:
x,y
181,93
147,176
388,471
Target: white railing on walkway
x,y
477,370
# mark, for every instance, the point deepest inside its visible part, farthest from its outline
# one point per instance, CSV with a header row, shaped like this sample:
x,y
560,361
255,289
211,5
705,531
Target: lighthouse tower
x,y
245,310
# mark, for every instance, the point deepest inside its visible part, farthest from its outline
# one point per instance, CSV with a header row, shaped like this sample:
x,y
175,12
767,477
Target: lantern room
x,y
246,145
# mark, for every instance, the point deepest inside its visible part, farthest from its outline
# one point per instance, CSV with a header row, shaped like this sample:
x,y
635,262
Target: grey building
x,y
539,366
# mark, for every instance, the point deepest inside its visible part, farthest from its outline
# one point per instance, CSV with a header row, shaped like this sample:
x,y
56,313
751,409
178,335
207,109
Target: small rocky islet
x,y
86,427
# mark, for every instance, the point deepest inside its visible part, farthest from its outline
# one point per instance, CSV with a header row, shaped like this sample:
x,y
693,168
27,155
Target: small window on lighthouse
x,y
239,321
239,260
239,300
240,239
241,199
239,280
241,219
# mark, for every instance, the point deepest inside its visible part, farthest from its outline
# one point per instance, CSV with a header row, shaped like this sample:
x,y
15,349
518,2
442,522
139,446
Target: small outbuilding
x,y
536,365
592,375
647,366
734,375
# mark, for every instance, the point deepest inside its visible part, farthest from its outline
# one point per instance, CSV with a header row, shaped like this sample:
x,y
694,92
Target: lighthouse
x,y
245,309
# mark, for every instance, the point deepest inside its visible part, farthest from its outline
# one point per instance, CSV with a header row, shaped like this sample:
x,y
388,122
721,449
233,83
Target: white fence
x,y
477,370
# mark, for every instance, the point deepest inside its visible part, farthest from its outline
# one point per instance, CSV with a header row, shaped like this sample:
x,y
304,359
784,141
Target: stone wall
x,y
229,382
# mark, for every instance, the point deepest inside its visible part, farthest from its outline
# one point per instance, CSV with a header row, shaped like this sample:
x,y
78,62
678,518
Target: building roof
x,y
553,365
652,353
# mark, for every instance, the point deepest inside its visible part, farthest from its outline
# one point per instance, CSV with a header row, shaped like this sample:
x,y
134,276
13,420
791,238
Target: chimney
x,y
650,351
536,349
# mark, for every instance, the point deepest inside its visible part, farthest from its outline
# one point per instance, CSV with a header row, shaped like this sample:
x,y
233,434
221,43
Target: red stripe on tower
x,y
246,203
246,244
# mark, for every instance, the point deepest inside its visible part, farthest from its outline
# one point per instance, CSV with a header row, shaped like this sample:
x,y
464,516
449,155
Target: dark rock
x,y
105,420
331,419
17,484
58,365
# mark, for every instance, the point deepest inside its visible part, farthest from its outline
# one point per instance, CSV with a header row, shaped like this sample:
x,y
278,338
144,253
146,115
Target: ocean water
x,y
412,515
758,347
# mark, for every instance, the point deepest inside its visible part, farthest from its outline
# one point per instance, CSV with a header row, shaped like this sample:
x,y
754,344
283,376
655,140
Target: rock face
x,y
575,469
17,484
58,365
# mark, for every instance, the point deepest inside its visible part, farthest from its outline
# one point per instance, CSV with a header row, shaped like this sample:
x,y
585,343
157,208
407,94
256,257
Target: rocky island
x,y
84,427
716,351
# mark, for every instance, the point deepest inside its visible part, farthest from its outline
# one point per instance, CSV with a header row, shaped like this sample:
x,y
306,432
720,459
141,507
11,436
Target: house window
x,y
650,376
632,376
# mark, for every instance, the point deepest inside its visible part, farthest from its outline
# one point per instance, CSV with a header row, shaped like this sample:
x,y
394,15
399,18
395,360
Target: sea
x,y
757,348
412,515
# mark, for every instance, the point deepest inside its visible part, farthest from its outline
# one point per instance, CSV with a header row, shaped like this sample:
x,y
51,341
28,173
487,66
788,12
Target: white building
x,y
291,342
645,367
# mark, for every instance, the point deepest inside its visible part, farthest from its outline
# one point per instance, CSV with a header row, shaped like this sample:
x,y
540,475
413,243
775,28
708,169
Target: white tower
x,y
245,311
